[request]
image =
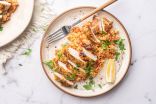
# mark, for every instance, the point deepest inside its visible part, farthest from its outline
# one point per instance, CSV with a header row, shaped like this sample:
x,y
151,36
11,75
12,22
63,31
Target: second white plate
x,y
18,22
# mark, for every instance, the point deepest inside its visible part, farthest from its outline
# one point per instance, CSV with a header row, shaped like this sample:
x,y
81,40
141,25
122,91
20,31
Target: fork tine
x,y
57,33
59,30
57,38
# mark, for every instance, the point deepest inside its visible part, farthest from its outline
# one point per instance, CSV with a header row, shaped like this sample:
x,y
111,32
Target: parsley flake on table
x,y
27,52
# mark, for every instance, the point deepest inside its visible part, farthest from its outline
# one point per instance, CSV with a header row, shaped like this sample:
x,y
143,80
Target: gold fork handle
x,y
109,2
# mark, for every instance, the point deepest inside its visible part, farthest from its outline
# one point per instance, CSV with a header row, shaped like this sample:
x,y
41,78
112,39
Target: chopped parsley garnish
x,y
105,44
28,52
1,28
75,68
50,64
120,44
77,65
71,78
59,54
117,54
88,68
104,33
100,85
89,85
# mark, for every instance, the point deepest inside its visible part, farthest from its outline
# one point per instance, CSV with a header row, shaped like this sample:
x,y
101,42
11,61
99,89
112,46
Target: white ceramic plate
x,y
69,17
19,21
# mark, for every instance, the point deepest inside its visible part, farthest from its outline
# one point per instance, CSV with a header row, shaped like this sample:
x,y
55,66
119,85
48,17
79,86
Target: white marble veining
x,y
26,83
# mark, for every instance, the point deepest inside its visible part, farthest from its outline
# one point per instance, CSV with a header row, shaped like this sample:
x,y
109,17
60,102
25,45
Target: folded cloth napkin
x,y
43,13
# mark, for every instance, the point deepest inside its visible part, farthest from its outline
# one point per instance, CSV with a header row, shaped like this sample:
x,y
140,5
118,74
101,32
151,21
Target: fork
x,y
64,30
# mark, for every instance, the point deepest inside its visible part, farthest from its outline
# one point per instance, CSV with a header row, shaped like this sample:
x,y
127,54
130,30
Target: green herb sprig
x,y
117,54
90,84
77,66
120,44
71,77
49,63
27,52
105,44
88,68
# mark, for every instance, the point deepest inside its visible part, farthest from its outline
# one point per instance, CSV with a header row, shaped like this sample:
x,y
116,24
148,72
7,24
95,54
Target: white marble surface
x,y
28,84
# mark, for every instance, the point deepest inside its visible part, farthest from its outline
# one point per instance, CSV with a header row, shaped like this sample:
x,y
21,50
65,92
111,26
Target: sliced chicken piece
x,y
79,72
85,56
63,80
4,5
66,69
75,54
65,61
102,25
95,24
76,66
68,56
61,64
61,69
68,72
108,24
89,54
93,36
